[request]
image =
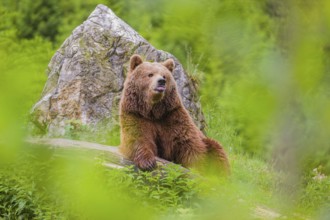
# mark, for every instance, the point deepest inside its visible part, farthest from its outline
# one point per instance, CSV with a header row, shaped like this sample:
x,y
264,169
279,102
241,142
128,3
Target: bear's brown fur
x,y
154,121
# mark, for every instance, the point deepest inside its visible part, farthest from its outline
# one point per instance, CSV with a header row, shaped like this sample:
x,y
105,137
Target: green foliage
x,y
261,67
22,194
168,188
38,18
41,188
16,201
48,184
316,193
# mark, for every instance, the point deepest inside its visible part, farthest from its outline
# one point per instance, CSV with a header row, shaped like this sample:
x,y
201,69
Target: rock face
x,y
86,75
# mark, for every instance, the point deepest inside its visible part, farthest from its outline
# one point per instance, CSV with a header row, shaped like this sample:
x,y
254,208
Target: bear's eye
x,y
150,75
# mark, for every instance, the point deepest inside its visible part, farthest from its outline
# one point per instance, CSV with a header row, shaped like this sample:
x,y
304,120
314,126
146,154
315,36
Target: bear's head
x,y
150,89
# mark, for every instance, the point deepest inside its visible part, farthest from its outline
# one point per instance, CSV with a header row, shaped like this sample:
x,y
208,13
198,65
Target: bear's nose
x,y
161,82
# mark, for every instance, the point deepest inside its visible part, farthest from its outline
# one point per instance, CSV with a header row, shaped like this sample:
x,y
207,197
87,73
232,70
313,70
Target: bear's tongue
x,y
160,88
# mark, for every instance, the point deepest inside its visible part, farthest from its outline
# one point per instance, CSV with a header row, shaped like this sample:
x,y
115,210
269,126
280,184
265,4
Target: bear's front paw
x,y
146,164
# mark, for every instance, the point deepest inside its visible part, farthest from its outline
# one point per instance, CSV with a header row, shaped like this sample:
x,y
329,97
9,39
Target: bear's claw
x,y
147,165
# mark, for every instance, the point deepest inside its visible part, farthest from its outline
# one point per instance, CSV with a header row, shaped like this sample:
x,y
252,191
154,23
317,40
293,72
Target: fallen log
x,y
113,158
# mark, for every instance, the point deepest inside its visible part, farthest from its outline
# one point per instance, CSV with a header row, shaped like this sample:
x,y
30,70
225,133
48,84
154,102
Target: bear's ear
x,y
135,61
169,64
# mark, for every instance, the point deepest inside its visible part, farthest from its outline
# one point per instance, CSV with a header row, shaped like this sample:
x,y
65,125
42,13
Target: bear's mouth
x,y
160,88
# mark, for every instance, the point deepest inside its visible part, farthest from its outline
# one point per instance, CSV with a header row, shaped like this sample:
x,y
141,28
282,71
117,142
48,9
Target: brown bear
x,y
154,121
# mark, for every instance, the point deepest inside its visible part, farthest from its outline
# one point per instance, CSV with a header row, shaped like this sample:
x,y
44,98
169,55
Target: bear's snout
x,y
161,82
160,85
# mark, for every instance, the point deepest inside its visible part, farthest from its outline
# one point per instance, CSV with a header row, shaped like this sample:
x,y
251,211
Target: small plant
x,y
22,194
316,193
74,128
161,189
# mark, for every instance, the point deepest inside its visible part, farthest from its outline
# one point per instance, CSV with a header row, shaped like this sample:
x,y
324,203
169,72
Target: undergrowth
x,y
50,184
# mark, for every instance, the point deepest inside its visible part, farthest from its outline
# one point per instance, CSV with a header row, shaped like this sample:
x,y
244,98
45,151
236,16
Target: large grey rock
x,y
86,75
